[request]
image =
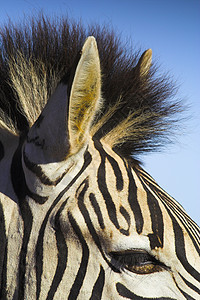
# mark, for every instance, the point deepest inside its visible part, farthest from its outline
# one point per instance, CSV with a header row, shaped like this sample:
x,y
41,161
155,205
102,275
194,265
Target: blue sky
x,y
172,29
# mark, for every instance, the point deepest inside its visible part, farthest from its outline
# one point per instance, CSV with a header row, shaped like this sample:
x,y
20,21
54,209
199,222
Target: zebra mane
x,y
138,112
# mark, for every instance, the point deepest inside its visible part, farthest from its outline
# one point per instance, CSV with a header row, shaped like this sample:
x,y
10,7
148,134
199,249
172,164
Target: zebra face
x,y
103,248
92,224
98,237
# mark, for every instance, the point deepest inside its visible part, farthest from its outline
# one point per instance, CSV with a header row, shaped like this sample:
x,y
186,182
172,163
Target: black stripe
x,y
62,254
133,201
39,246
183,217
3,256
75,289
188,297
28,220
37,170
111,209
113,163
119,186
126,293
101,179
38,199
85,213
180,248
126,216
178,235
17,173
179,239
190,285
97,210
20,188
170,205
89,224
18,178
117,172
156,238
1,151
98,287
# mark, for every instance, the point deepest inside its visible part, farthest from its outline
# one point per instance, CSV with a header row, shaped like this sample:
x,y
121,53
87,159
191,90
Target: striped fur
x,y
78,220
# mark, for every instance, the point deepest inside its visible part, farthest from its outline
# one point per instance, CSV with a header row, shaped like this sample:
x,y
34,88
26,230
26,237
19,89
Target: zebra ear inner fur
x,y
84,95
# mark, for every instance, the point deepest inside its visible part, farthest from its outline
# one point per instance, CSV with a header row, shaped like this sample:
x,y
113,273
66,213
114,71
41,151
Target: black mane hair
x,y
51,46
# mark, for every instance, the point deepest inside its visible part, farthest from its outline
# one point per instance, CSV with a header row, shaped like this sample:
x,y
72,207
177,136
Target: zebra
x,y
79,216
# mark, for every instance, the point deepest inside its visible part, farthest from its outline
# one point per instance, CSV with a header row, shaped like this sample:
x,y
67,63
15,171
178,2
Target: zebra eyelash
x,y
134,260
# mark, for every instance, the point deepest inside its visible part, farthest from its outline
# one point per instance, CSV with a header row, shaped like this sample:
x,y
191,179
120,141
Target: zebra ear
x,y
63,126
144,63
84,95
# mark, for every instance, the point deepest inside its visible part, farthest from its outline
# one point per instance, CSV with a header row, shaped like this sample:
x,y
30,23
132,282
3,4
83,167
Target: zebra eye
x,y
136,261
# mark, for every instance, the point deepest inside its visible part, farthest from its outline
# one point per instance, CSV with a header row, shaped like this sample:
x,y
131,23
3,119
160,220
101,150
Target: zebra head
x,y
92,224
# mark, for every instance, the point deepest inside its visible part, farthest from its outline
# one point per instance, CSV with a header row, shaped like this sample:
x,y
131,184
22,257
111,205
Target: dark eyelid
x,y
134,253
134,250
136,256
130,252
